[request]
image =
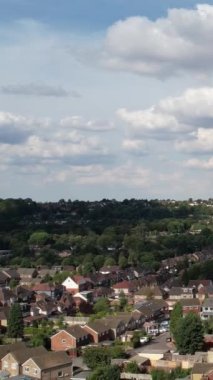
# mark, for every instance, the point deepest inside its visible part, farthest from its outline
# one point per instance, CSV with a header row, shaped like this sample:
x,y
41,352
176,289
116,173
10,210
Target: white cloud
x,y
200,142
186,120
134,146
180,42
29,141
200,164
15,129
129,175
79,123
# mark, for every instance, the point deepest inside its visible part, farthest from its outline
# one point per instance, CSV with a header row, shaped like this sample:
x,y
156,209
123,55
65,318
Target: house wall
x,y
63,371
118,291
31,369
95,337
191,309
62,341
10,364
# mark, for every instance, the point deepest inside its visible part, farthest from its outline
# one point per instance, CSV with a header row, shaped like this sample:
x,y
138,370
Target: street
x,y
157,343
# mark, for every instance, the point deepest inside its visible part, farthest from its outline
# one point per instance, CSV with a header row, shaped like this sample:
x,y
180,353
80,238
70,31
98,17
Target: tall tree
x,y
176,316
189,334
15,322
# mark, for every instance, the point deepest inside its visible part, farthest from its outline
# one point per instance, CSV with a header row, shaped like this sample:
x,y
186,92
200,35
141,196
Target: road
x,y
157,343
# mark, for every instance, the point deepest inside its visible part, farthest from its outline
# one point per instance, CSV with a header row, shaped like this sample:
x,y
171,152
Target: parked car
x,y
153,332
144,339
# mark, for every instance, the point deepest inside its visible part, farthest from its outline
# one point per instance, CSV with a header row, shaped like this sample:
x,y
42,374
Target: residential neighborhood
x,y
79,314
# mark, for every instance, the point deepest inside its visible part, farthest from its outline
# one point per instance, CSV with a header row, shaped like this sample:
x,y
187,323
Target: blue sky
x,y
106,99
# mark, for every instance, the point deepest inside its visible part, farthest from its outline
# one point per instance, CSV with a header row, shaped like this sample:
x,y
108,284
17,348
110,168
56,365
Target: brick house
x,y
51,366
69,338
190,306
98,330
126,287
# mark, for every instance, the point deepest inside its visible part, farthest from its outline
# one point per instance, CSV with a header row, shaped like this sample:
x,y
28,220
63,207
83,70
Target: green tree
x,y
189,334
122,262
122,301
136,339
15,322
102,306
106,373
39,238
110,262
132,367
94,357
176,316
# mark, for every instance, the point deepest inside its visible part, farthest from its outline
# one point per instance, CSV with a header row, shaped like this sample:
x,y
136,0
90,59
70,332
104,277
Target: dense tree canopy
x,y
189,334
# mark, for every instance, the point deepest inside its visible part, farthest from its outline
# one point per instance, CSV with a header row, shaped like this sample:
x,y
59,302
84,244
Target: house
x,y
13,360
12,274
4,279
5,349
26,274
65,304
42,273
24,294
177,293
147,292
116,326
44,288
109,269
4,315
126,287
152,309
44,307
201,371
50,366
190,306
129,320
98,330
200,283
138,317
7,297
71,337
77,284
207,309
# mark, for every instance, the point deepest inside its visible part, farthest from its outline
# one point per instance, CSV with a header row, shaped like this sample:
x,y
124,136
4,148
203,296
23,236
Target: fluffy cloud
x,y
201,142
187,120
180,42
15,129
78,122
37,89
33,142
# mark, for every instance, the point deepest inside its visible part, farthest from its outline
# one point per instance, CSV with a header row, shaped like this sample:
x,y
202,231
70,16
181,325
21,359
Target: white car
x,y
144,339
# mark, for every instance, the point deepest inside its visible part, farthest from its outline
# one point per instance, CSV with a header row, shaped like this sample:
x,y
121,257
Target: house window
x,y
35,371
26,369
60,374
63,340
14,366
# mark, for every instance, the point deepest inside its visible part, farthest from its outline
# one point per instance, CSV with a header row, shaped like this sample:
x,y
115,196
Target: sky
x,y
106,99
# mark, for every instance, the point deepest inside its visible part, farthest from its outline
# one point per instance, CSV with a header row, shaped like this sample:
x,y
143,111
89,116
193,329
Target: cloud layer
x,y
181,42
